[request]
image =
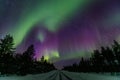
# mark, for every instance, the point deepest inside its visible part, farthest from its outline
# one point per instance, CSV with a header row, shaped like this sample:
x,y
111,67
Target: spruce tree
x,y
6,55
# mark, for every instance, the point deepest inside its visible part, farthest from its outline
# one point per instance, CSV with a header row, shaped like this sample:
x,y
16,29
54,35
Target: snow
x,y
62,75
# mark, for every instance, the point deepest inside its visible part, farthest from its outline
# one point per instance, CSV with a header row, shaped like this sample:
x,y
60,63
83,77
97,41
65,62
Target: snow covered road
x,y
62,75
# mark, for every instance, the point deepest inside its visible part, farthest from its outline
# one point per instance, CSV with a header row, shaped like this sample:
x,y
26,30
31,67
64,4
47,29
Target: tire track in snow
x,y
69,77
61,75
52,77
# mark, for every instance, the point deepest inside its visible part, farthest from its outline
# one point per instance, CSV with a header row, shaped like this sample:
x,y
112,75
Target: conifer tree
x,y
6,54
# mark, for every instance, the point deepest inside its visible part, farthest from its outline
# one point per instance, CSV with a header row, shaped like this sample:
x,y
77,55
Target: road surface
x,y
62,75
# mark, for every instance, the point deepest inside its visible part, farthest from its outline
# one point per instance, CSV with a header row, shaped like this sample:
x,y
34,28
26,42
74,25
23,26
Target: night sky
x,y
61,30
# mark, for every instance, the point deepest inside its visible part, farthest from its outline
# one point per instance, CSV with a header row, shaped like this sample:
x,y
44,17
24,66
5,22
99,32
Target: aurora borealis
x,y
61,30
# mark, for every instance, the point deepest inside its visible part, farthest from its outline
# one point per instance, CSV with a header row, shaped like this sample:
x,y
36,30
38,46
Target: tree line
x,y
22,63
106,59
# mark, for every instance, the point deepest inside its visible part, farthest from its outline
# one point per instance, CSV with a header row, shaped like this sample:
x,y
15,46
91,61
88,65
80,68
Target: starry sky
x,y
61,30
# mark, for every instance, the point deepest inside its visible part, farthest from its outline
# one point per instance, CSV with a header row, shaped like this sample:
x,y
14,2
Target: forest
x,y
106,59
20,63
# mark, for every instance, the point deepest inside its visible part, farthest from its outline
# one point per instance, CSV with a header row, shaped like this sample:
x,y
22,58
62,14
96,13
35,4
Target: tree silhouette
x,y
20,63
83,65
42,59
104,60
27,60
6,45
97,61
45,66
107,59
116,50
6,54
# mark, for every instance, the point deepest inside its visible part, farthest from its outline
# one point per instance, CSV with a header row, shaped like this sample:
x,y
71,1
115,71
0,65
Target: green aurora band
x,y
50,14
